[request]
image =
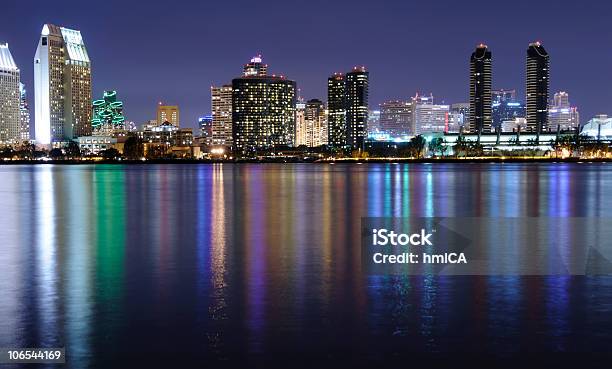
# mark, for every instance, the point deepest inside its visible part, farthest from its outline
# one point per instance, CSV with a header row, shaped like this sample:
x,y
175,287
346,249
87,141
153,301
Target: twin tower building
x,y
537,86
62,90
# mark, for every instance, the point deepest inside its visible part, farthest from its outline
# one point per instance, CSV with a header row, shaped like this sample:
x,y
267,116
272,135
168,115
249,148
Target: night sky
x,y
172,51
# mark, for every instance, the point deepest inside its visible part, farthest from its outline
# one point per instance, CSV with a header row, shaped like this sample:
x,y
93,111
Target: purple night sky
x,y
173,51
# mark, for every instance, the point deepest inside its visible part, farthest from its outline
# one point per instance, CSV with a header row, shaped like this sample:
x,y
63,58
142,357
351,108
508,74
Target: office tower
x,y
480,90
356,107
206,129
107,115
537,80
222,115
373,121
462,110
561,115
429,117
263,112
301,129
255,67
168,113
396,118
62,86
336,110
9,97
24,114
310,123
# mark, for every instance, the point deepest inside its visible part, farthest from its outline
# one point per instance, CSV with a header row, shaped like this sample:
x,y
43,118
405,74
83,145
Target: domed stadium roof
x,y
592,128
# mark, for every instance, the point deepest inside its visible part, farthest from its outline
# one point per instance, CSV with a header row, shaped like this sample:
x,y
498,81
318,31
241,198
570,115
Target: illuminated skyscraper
x,y
221,115
373,121
9,97
168,113
62,86
107,117
24,114
356,107
310,123
396,118
336,110
537,87
316,119
206,124
301,128
263,112
561,115
429,117
480,90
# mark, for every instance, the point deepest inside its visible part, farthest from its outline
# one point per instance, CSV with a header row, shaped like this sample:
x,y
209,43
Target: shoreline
x,y
299,161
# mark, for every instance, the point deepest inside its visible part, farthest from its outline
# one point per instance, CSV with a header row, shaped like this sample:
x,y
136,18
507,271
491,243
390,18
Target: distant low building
x,y
514,125
599,127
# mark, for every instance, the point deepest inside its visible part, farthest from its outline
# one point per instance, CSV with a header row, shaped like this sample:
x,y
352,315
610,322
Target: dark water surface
x,y
249,263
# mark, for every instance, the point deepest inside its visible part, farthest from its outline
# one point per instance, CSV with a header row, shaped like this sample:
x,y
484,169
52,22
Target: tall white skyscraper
x,y
62,86
9,97
221,105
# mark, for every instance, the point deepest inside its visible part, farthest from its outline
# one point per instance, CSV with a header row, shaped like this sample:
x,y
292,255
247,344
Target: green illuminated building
x,y
107,114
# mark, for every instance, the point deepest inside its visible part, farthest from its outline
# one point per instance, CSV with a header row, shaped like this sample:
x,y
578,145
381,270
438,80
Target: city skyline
x,y
396,73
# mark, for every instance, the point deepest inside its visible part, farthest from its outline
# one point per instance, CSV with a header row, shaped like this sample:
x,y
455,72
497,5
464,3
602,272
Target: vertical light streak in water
x,y
255,253
46,254
205,195
78,289
429,193
374,191
109,209
387,211
10,255
406,190
327,225
218,251
397,191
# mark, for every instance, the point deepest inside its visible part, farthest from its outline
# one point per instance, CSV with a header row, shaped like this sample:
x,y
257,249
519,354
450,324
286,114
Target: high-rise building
x,y
429,117
222,115
480,90
62,86
9,97
396,118
206,129
107,116
561,115
263,112
336,110
462,113
301,127
537,81
373,121
310,123
24,114
356,107
168,113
